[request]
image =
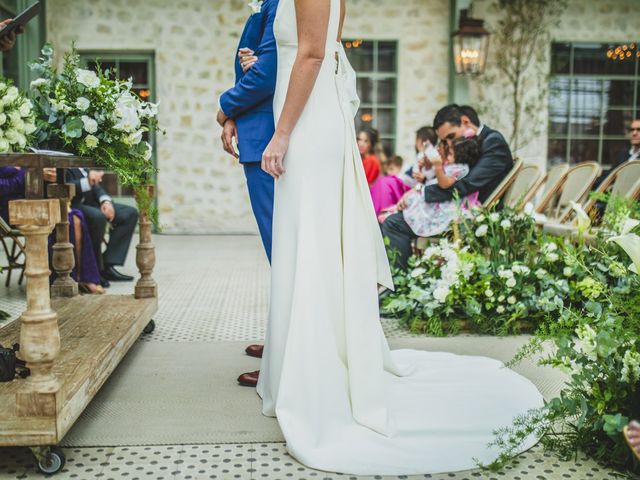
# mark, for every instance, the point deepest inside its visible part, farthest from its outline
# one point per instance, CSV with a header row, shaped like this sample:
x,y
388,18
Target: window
x,y
138,67
594,94
377,67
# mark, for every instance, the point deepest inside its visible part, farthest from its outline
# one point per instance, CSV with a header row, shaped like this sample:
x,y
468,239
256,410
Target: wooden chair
x,y
623,182
526,184
14,250
504,186
573,187
552,185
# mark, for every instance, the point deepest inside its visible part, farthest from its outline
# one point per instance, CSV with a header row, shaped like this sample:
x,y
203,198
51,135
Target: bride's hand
x,y
273,156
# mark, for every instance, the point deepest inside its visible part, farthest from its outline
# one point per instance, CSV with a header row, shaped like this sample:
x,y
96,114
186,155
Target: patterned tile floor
x,y
222,294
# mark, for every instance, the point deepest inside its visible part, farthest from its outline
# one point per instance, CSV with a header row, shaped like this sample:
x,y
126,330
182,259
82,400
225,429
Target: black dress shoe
x,y
104,283
110,273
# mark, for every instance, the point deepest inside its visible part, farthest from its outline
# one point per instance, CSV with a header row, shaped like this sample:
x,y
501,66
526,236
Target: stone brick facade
x,y
201,189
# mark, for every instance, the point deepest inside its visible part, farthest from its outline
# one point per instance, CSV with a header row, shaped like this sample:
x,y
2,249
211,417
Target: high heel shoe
x,y
90,288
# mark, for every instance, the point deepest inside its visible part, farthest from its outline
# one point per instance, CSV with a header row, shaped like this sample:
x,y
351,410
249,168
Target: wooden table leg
x,y
145,260
39,334
63,260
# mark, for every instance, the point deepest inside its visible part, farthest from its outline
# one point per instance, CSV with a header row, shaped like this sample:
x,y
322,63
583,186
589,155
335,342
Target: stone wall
x,y
202,189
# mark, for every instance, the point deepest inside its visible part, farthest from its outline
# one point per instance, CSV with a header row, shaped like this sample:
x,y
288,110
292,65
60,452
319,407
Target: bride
x,y
343,400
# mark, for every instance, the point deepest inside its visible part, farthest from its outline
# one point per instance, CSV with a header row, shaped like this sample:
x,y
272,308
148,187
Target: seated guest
x,y
420,171
434,218
99,210
633,153
494,164
12,185
368,139
387,191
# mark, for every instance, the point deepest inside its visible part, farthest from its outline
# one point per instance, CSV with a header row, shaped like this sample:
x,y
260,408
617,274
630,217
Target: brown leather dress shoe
x,y
249,379
255,350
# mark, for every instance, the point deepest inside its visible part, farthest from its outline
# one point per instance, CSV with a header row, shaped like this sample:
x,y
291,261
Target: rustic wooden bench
x,y
73,344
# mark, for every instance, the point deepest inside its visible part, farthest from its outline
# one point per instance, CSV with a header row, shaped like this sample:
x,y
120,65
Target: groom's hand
x,y
229,132
221,118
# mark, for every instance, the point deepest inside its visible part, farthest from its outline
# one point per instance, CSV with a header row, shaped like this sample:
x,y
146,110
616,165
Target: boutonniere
x,y
256,6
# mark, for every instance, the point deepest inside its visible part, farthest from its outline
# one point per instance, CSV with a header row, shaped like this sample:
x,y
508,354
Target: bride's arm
x,y
312,24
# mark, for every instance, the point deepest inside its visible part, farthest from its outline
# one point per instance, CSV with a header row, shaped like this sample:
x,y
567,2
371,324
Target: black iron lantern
x,y
470,45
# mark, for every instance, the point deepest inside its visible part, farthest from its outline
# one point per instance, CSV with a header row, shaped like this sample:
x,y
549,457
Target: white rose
x,y
511,282
441,294
481,231
90,125
18,125
83,104
494,217
567,272
15,117
511,300
501,298
91,141
22,140
12,136
25,108
529,209
480,218
417,272
29,128
500,309
134,138
488,292
506,224
552,257
4,145
3,119
541,273
12,94
39,82
87,78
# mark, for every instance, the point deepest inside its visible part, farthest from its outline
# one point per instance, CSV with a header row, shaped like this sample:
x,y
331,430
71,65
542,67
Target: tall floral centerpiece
x,y
93,114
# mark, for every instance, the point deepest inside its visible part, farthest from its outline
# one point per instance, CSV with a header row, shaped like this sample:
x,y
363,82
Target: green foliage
x,y
95,115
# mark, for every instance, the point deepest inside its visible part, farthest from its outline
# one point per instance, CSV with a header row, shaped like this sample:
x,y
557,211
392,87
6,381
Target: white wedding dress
x,y
344,401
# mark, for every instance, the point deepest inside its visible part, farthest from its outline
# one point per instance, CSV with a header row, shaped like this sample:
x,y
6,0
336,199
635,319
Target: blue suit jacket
x,y
250,101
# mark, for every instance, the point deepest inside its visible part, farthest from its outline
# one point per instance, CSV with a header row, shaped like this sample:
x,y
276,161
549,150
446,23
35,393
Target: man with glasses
x,y
495,162
634,152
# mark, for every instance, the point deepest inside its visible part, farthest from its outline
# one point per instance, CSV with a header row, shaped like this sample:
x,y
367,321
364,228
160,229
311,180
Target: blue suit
x,y
250,104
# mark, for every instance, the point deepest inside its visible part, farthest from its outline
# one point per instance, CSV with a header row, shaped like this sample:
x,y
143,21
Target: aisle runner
x,y
186,393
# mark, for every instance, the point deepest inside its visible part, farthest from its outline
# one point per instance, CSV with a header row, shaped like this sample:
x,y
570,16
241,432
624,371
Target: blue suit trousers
x,y
261,186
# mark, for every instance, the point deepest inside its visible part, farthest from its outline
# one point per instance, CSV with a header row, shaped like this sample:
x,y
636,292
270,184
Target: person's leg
x,y
632,436
261,189
123,227
97,223
400,235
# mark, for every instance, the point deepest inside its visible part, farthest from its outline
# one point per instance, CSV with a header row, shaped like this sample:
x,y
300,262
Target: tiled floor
x,y
216,289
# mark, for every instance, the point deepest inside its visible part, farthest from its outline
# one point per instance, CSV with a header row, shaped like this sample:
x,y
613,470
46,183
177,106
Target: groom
x,y
246,115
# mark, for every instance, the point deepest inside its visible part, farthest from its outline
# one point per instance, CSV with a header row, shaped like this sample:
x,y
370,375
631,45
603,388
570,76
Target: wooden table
x,y
73,345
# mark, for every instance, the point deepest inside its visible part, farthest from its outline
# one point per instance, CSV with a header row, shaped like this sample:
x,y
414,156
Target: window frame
x,y
374,75
571,77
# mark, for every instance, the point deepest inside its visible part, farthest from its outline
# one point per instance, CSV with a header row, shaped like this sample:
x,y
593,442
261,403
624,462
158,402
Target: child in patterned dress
x,y
432,219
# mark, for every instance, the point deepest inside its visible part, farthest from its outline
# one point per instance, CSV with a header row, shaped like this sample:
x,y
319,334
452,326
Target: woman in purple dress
x,y
12,183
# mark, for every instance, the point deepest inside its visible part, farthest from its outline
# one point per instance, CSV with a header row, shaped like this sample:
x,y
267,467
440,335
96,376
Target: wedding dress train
x,y
344,401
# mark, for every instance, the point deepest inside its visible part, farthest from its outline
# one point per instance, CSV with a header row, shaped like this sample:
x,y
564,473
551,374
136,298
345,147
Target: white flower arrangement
x,y
93,114
17,119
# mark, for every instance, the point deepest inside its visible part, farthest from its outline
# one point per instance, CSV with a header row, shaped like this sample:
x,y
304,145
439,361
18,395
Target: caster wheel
x,y
151,326
52,462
